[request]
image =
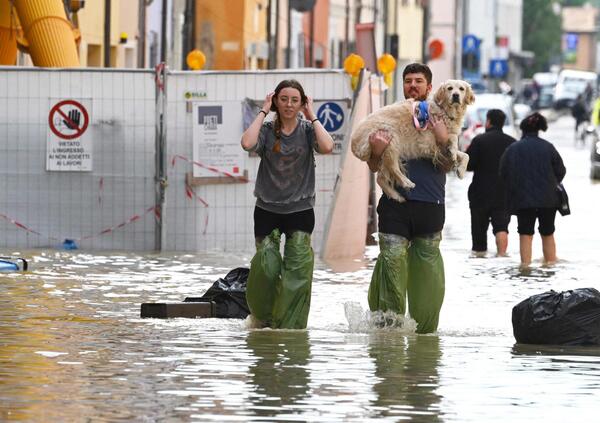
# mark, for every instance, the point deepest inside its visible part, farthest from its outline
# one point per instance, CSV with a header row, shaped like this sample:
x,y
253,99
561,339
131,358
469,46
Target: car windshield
x,y
575,85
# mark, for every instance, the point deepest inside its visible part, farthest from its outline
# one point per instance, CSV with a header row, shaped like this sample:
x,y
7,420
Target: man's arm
x,y
379,141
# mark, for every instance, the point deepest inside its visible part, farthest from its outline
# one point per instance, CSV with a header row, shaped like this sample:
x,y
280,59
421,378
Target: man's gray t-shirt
x,y
285,182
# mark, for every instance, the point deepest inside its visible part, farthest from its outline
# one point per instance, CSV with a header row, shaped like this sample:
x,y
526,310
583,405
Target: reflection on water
x,y
73,347
406,369
279,375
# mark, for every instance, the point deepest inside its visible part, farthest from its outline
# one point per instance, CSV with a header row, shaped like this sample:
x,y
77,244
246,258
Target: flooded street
x,y
73,348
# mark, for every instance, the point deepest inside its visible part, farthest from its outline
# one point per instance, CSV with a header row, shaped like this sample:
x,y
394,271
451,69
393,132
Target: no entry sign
x,y
69,147
68,119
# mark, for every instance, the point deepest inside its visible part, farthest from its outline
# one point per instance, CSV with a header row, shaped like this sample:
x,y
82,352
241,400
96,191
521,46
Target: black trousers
x,y
480,222
410,219
545,217
265,221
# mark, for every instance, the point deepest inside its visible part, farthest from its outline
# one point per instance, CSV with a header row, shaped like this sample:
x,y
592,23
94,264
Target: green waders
x,y
418,269
278,291
264,277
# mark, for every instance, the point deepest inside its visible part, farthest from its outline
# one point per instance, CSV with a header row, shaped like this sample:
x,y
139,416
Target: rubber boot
x,y
292,302
426,282
264,277
387,290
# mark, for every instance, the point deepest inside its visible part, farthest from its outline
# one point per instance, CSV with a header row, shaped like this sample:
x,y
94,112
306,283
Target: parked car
x,y
474,123
571,83
545,83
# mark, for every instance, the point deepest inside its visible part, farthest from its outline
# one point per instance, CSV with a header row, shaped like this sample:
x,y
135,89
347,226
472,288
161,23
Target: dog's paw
x,y
460,172
408,184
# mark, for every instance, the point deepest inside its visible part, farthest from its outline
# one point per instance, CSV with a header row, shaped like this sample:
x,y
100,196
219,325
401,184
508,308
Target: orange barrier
x,y
49,37
9,28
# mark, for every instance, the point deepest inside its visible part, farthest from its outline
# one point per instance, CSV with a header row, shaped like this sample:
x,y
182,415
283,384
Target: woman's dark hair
x,y
534,123
418,68
286,83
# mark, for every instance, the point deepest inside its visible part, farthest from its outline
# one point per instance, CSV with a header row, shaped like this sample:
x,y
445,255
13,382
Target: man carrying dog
x,y
486,193
410,262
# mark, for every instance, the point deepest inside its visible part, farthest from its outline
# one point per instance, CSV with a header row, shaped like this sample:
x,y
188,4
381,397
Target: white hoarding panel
x,y
217,130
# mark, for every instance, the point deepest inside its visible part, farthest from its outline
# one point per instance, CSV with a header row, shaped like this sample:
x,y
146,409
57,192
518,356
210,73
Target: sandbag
x,y
229,295
559,318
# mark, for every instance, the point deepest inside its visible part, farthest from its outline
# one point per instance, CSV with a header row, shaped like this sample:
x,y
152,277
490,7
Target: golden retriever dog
x,y
407,141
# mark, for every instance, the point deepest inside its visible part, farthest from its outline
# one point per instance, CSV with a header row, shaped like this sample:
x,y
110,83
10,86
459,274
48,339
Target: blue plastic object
x,y
422,114
69,244
8,266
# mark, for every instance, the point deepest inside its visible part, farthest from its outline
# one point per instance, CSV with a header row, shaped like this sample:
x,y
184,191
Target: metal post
x,y
311,50
141,45
161,157
276,46
269,38
424,52
288,53
460,30
107,33
163,33
188,32
346,29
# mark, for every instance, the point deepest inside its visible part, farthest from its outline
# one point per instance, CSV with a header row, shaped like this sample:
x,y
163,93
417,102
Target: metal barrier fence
x,y
114,159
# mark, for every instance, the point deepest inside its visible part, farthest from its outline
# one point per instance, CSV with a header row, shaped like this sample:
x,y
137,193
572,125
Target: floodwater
x,y
73,348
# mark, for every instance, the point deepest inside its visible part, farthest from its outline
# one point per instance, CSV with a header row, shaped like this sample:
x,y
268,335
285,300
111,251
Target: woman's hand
x,y
307,109
439,130
268,102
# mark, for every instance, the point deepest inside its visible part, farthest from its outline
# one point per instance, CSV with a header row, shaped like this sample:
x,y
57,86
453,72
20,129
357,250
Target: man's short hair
x,y
496,117
418,68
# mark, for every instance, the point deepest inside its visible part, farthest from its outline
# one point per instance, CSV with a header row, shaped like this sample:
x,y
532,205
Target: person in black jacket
x,y
531,169
486,196
579,111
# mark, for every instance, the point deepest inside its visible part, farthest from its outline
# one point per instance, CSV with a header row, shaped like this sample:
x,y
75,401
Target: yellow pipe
x,y
50,36
8,33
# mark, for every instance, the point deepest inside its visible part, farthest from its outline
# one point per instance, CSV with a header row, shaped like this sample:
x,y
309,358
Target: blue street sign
x,y
498,68
571,40
470,44
331,115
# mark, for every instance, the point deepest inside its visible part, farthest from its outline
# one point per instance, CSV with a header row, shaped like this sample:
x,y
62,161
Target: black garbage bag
x,y
559,318
229,295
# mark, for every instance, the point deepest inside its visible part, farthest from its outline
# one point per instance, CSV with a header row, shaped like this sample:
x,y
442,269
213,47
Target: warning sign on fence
x,y
69,146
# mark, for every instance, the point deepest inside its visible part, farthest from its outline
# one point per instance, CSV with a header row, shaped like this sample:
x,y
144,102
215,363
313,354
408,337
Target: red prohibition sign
x,y
78,127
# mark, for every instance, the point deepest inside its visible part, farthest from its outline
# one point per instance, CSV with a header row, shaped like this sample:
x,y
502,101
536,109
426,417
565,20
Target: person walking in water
x,y
486,195
278,289
531,169
410,262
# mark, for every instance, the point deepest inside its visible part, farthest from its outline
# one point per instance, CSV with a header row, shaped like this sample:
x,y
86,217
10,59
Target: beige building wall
x,y
124,18
442,25
582,21
410,30
255,34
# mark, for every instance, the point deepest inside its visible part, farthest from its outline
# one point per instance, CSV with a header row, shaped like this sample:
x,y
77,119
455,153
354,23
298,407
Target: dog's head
x,y
454,93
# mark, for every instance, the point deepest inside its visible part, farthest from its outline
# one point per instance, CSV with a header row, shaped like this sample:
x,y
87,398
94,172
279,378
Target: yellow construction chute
x,y
47,35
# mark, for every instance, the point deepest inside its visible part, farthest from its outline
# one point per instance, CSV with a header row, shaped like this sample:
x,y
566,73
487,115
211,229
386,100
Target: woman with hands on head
x,y
278,289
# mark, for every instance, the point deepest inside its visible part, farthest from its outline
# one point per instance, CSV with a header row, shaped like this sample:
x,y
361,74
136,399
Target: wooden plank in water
x,y
169,310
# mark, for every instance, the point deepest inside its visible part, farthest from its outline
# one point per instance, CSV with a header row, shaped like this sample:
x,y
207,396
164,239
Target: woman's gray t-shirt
x,y
285,182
